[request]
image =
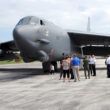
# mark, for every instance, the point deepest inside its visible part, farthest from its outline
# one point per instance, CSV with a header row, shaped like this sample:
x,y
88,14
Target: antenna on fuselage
x,y
88,30
88,25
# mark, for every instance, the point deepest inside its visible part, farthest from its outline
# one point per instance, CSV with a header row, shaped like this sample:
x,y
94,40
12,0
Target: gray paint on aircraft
x,y
38,39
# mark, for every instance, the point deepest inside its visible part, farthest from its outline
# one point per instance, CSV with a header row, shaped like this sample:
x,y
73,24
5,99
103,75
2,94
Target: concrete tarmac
x,y
25,87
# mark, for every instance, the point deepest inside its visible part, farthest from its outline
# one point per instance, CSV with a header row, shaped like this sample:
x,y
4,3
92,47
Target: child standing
x,y
52,69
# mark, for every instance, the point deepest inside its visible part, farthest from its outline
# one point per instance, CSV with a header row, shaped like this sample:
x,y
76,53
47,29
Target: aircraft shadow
x,y
7,74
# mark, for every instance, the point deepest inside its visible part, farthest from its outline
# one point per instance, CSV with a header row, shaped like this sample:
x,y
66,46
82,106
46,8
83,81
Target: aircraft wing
x,y
8,46
81,38
97,44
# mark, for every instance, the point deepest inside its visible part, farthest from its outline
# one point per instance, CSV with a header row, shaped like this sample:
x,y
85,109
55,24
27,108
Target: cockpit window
x,y
24,21
34,21
41,22
31,20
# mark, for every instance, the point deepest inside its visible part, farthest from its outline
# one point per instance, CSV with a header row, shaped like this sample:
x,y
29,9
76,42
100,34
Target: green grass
x,y
10,62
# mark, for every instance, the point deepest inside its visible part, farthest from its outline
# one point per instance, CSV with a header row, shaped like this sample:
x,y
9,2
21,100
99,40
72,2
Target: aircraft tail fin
x,y
88,25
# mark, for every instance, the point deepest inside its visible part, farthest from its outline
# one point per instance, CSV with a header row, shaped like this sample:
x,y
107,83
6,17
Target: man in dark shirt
x,y
86,67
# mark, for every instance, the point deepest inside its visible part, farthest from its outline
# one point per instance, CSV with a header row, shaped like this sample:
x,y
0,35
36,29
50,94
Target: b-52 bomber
x,y
39,39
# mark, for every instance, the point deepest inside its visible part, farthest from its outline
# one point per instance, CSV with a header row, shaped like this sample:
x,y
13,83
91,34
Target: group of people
x,y
70,67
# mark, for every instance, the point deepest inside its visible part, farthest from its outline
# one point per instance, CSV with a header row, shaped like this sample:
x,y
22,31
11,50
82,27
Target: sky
x,y
68,14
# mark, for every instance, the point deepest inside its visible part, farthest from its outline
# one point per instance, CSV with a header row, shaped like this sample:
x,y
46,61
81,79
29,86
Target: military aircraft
x,y
39,39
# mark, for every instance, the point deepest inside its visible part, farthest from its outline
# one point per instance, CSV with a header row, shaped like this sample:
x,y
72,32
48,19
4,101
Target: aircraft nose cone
x,y
17,33
20,38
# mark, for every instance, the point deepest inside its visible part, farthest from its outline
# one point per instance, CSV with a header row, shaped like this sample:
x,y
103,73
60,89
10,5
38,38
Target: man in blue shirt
x,y
75,63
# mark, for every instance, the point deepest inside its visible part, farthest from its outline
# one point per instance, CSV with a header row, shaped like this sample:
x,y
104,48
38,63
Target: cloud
x,y
69,14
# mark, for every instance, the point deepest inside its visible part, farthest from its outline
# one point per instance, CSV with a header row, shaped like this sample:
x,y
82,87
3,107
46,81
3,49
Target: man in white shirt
x,y
107,62
92,67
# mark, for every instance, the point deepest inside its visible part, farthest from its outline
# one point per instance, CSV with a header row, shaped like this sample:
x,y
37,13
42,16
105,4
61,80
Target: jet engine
x,y
1,52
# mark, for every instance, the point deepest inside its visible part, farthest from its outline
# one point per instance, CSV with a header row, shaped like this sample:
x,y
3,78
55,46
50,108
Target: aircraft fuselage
x,y
41,40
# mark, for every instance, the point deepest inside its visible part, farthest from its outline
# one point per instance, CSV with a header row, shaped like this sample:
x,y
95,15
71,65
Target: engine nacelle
x,y
98,51
1,52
